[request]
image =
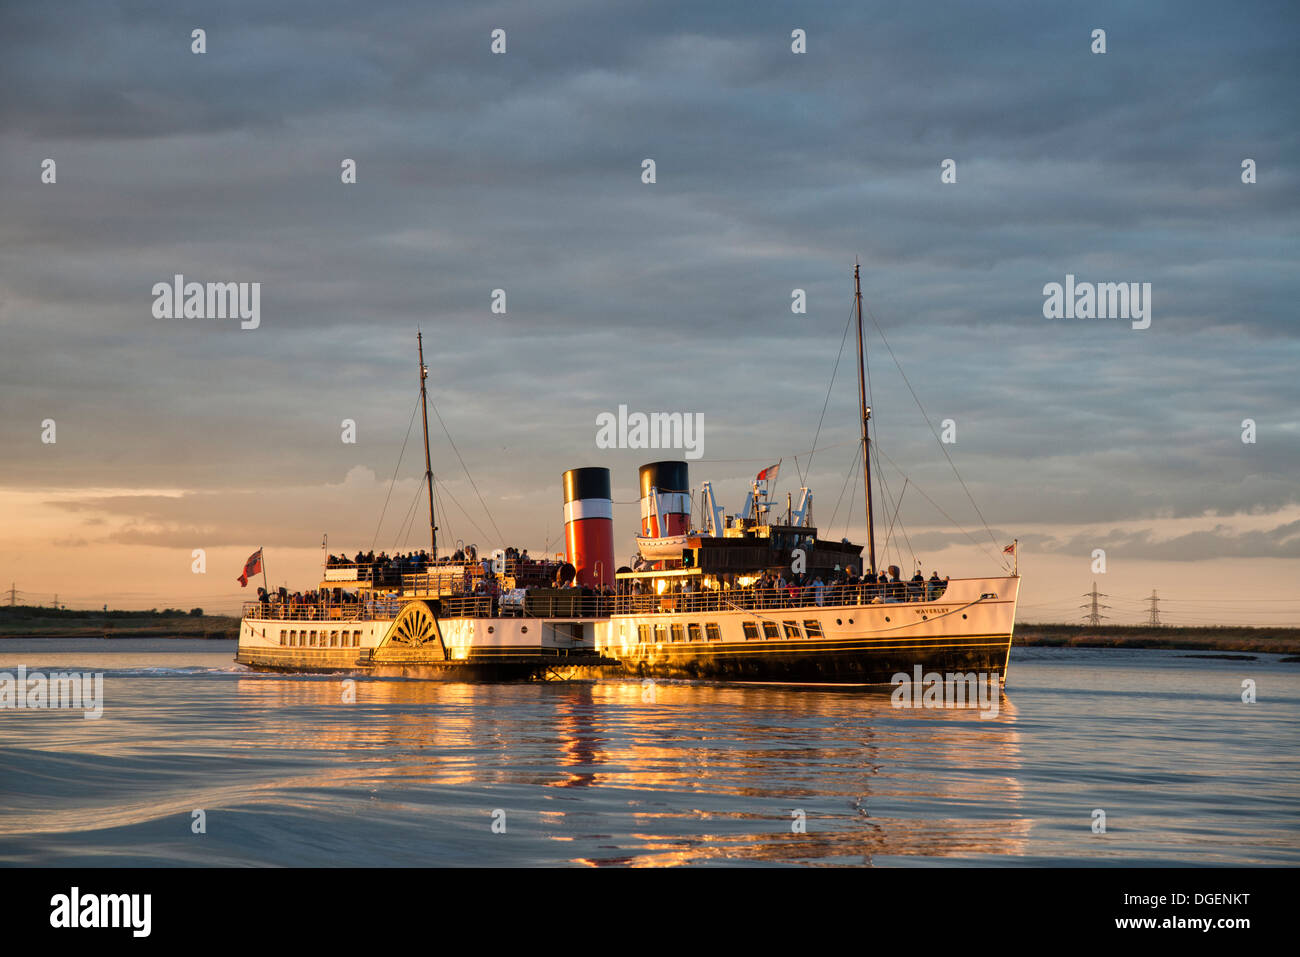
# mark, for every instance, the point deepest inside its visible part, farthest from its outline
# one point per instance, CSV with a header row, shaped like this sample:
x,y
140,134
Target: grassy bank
x,y
28,622
1283,641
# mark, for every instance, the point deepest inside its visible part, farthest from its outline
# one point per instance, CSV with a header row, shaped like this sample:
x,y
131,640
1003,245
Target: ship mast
x,y
866,414
428,468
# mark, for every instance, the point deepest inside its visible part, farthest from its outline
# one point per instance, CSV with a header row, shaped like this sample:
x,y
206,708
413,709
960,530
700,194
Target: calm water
x,y
612,773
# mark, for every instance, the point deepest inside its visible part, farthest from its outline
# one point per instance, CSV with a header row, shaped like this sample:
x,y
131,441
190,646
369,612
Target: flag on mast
x,y
1010,549
768,474
251,567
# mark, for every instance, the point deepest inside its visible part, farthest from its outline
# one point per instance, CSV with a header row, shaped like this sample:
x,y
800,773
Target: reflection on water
x,y
704,771
290,771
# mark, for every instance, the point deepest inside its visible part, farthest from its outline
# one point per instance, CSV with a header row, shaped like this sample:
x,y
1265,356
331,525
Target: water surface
x,y
288,772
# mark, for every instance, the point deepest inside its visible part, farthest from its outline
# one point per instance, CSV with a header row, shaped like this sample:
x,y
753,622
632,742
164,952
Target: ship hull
x,y
867,663
968,630
447,649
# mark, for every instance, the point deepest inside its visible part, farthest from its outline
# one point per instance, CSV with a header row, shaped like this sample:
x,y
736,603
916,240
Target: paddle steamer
x,y
696,603
468,620
698,609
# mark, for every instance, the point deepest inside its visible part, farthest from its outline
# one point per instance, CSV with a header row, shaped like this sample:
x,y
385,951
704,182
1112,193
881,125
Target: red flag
x,y
1010,549
251,567
768,474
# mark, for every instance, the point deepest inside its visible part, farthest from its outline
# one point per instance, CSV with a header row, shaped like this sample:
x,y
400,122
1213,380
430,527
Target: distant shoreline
x,y
49,623
1237,638
28,622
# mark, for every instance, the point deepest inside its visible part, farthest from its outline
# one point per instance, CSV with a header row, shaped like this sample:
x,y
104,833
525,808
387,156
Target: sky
x,y
774,171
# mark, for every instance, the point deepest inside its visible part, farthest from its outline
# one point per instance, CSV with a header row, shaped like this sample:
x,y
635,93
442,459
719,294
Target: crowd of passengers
x,y
282,603
773,589
841,587
384,569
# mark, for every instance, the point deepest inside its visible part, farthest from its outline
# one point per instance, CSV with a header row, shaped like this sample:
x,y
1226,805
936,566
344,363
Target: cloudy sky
x,y
774,171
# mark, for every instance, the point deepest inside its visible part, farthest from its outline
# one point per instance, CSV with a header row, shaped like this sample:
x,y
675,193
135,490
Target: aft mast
x,y
428,468
866,414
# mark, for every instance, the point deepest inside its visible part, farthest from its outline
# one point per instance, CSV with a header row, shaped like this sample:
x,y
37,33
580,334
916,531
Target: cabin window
x,y
751,630
679,633
813,628
643,634
313,638
791,629
293,638
283,635
356,639
770,630
694,631
334,639
661,634
711,629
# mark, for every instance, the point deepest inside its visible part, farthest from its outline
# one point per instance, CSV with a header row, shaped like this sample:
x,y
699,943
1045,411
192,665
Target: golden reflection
x,y
680,771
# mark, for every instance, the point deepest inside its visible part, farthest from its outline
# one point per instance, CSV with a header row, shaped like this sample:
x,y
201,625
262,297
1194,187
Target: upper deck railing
x,y
574,603
324,611
441,578
761,599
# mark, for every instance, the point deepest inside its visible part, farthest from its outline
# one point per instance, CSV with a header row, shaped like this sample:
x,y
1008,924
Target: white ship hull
x,y
968,629
415,643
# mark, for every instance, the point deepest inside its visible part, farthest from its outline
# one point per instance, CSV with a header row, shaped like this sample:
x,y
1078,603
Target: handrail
x,y
760,599
443,573
573,603
324,612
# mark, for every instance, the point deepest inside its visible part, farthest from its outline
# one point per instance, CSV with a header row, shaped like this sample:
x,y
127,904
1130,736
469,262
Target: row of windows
x,y
320,639
658,634
690,632
790,629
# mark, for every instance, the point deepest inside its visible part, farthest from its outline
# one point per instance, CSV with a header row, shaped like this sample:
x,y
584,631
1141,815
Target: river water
x,y
287,771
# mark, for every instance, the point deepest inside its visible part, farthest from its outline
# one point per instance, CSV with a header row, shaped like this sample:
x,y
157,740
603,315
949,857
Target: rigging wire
x,y
451,532
455,502
890,534
974,540
488,512
408,517
852,468
834,369
808,452
391,481
930,425
902,526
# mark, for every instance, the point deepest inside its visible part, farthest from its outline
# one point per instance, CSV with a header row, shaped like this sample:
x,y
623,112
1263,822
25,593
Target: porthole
x,y
838,621
925,617
851,620
524,629
491,629
963,616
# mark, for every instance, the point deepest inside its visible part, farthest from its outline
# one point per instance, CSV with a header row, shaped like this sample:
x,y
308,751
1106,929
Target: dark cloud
x,y
1220,542
774,172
